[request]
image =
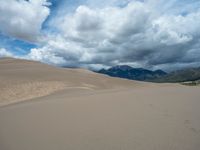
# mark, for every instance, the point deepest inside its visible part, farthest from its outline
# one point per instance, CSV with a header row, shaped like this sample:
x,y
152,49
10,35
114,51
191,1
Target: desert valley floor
x,y
48,108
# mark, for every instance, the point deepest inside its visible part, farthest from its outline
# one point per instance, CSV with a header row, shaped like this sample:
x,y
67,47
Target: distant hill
x,y
124,71
190,74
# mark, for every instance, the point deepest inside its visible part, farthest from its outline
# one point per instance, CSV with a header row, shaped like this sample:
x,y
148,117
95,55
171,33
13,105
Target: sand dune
x,y
76,109
23,80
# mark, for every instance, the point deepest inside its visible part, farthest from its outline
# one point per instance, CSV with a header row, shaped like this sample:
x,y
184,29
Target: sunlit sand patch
x,y
30,90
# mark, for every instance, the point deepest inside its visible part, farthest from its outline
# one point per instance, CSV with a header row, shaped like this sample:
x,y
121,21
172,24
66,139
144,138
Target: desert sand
x,y
48,108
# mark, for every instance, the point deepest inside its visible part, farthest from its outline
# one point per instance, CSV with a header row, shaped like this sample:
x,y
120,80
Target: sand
x,y
22,80
82,110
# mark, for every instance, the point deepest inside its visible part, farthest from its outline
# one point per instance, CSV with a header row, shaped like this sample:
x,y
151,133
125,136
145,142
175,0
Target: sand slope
x,y
23,80
95,112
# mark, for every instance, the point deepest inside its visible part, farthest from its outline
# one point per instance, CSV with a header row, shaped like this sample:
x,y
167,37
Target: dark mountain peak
x,y
103,71
121,67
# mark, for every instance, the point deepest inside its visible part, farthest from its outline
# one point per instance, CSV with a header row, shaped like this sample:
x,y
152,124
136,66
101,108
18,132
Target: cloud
x,y
5,53
138,33
141,33
23,19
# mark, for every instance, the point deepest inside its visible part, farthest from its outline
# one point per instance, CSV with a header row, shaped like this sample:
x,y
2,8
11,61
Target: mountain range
x,y
124,71
141,74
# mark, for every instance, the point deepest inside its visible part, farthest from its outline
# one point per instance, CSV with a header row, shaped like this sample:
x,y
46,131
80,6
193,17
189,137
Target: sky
x,y
95,34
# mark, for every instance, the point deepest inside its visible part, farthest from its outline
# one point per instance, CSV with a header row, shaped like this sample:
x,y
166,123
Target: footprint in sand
x,y
189,126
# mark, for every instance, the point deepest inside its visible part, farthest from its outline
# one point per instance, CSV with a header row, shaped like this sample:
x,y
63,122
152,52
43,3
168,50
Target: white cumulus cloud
x,y
142,33
139,33
23,19
5,53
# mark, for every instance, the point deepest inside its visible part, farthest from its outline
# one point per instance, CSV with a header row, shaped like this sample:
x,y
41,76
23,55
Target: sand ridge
x,y
23,80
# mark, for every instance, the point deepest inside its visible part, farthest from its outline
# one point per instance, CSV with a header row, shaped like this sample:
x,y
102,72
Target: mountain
x,y
184,75
125,71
